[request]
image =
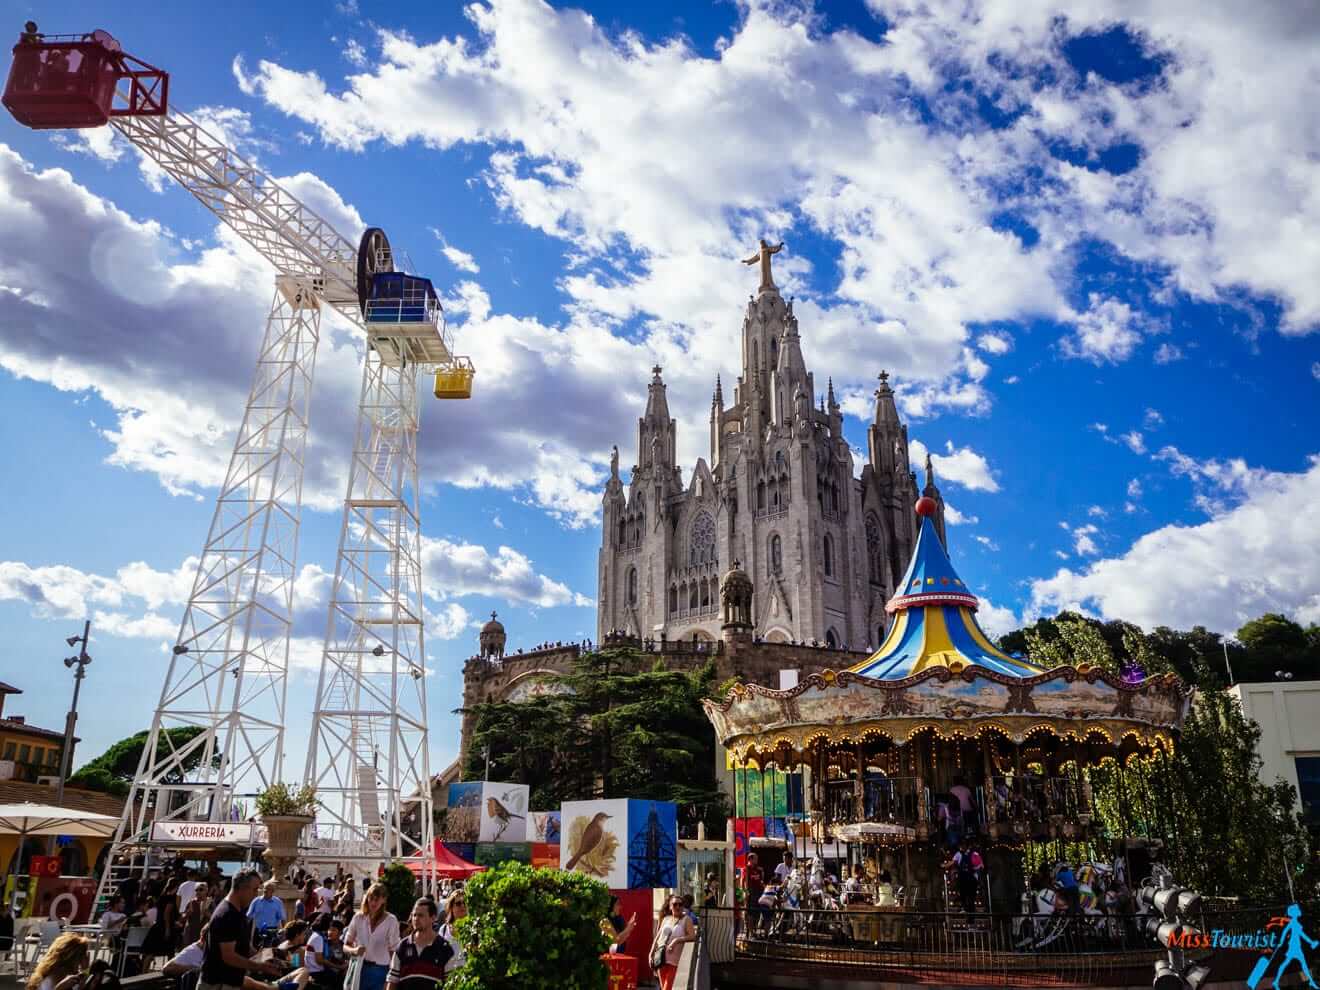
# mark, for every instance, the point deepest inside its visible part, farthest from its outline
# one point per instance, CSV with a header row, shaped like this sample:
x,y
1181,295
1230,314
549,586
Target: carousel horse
x,y
1047,917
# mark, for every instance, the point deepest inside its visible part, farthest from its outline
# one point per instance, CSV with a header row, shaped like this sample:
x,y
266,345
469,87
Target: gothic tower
x,y
822,549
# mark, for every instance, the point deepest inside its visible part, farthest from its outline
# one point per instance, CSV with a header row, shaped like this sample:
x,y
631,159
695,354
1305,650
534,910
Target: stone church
x,y
824,548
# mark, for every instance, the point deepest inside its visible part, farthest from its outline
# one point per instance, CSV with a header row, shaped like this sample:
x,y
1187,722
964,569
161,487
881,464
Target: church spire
x,y
656,431
718,398
933,493
657,406
829,395
886,412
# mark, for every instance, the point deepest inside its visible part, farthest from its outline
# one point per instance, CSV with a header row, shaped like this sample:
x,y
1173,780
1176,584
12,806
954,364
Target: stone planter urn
x,y
282,835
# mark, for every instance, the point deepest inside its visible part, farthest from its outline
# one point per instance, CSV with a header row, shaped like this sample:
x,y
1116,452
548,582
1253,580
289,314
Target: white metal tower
x,y
368,752
227,675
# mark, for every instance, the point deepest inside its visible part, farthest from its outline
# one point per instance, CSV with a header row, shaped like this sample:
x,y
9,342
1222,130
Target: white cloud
x,y
955,518
1218,484
995,342
1097,512
454,569
1315,370
355,54
985,541
996,619
1135,441
1107,332
1083,541
1152,420
450,622
958,466
1168,353
1134,488
461,260
1263,555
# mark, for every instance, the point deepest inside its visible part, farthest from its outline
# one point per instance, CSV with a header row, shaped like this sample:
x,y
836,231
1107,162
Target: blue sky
x,y
1085,247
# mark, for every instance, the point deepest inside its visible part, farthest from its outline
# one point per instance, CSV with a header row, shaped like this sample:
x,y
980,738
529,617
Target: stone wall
x,y
735,656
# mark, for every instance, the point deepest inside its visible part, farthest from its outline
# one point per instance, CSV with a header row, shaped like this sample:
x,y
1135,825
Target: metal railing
x,y
986,949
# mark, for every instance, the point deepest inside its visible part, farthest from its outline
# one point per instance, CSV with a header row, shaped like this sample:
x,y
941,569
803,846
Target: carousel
x,y
941,746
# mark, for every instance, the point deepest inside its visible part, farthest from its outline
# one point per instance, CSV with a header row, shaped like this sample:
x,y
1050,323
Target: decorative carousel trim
x,y
959,598
902,733
1167,684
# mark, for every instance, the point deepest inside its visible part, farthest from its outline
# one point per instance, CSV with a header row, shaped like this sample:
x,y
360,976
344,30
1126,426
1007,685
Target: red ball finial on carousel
x,y
926,506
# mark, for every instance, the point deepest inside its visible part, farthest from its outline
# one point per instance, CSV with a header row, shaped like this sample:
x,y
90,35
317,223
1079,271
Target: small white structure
x,y
1288,713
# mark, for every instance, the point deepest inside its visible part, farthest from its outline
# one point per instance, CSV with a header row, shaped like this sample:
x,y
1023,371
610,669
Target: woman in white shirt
x,y
373,934
61,968
674,930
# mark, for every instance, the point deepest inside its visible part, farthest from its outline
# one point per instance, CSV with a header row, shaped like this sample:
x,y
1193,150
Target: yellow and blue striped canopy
x,y
934,622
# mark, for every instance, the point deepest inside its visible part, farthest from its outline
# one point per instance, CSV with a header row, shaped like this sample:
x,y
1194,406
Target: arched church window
x,y
873,558
783,487
673,599
774,353
701,540
705,594
693,598
774,494
829,555
760,496
776,555
632,586
623,532
831,640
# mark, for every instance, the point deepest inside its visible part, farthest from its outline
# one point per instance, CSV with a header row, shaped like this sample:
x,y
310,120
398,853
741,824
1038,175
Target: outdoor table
x,y
623,970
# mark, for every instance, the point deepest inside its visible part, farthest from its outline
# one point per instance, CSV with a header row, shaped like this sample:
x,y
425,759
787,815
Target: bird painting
x,y
585,838
501,815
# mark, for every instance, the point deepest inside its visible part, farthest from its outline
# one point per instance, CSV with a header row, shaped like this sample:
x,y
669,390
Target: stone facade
x,y
824,549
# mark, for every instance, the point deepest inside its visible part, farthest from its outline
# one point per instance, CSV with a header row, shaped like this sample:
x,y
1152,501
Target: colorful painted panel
x,y
503,812
495,853
652,844
769,793
544,854
595,840
465,851
744,829
543,826
463,816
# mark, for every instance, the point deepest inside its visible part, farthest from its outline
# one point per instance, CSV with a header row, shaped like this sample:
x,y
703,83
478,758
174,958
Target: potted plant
x,y
285,811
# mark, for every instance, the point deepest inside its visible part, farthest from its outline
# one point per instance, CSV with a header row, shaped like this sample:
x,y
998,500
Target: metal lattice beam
x,y
227,674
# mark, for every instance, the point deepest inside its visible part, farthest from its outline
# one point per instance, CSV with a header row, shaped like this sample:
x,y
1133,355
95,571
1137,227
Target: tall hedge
x,y
533,929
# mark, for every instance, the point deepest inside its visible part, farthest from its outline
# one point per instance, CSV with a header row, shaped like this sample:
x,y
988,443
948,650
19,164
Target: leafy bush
x,y
402,887
281,799
533,929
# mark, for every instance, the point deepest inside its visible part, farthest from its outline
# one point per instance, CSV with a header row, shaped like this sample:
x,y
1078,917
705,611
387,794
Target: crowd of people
x,y
235,934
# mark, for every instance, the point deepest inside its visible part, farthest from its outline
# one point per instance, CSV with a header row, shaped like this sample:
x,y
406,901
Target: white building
x,y
1288,713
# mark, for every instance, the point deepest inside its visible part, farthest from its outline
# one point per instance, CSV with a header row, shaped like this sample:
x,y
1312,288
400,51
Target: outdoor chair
x,y
134,939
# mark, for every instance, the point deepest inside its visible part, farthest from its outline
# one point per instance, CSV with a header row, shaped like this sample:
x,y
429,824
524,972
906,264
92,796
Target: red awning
x,y
446,864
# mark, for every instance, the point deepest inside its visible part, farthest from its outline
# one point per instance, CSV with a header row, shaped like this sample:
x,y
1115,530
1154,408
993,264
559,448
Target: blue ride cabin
x,y
397,297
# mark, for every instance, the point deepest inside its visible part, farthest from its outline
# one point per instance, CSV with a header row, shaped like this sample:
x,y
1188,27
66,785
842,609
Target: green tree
x,y
112,771
620,728
402,890
1228,833
1275,642
532,929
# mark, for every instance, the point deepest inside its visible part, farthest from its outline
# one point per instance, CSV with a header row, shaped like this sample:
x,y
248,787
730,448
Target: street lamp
x,y
80,663
71,718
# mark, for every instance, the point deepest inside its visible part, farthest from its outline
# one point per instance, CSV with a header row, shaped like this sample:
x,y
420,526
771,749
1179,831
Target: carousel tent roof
x,y
934,624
